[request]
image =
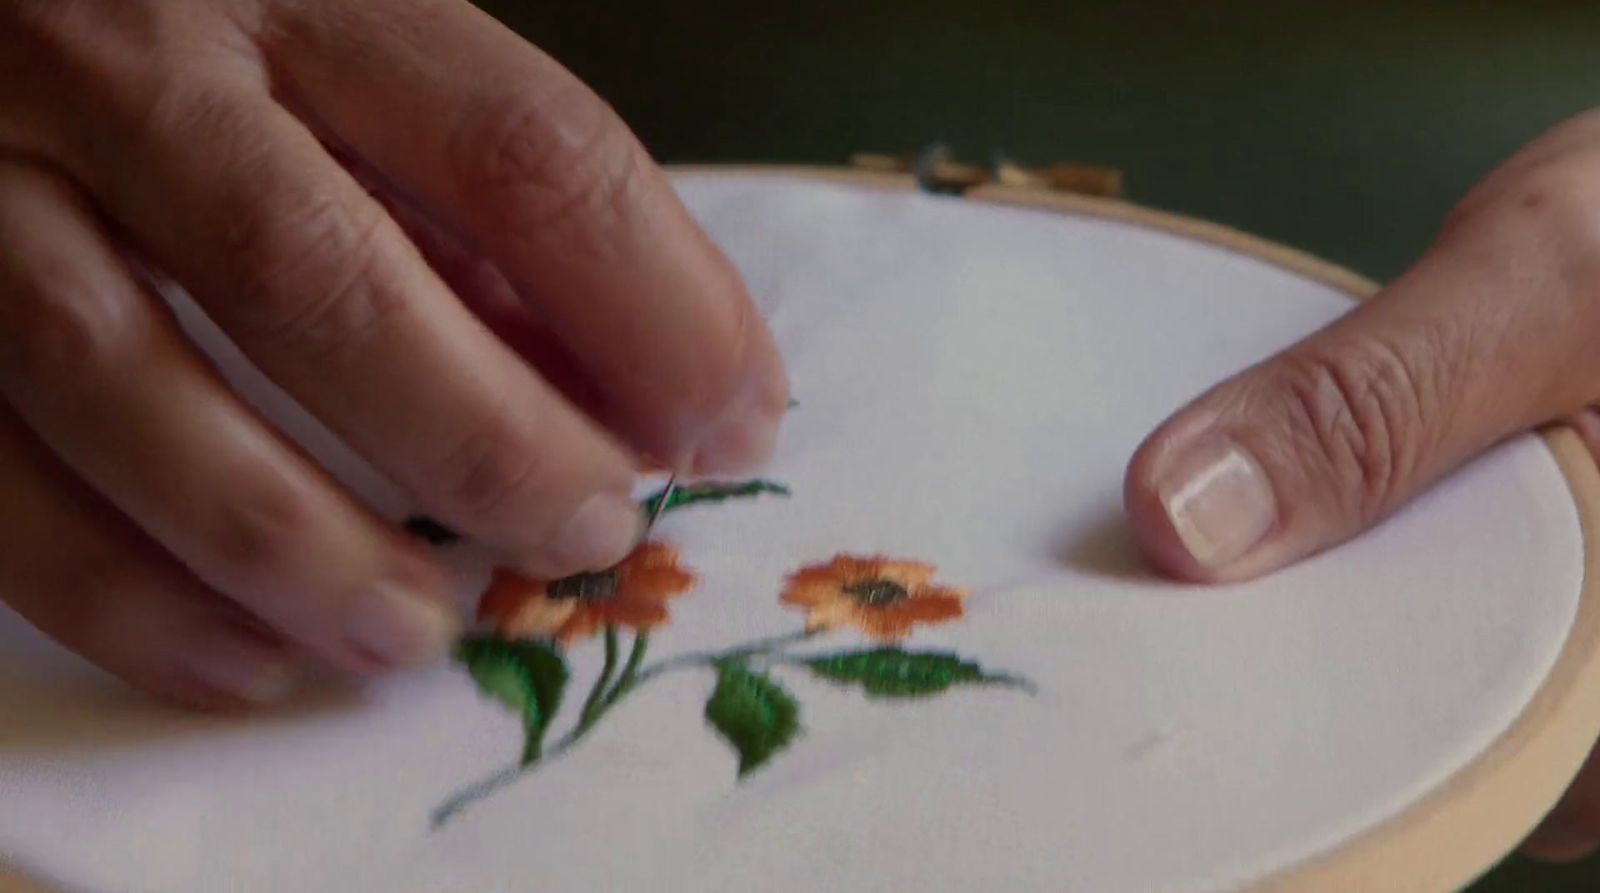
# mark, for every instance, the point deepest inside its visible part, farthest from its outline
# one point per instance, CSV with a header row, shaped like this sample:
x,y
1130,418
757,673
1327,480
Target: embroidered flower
x,y
880,597
632,594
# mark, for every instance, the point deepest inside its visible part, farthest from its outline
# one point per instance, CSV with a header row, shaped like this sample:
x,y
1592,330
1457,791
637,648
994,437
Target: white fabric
x,y
971,382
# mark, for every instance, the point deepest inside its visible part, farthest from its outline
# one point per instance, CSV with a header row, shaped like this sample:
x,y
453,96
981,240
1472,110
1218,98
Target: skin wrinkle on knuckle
x,y
317,281
1357,412
1448,351
549,167
125,67
170,106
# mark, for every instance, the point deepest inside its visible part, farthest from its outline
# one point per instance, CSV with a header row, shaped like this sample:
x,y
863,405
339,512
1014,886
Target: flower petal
x,y
814,594
833,615
940,592
838,570
506,593
584,621
649,554
538,618
901,617
635,614
655,584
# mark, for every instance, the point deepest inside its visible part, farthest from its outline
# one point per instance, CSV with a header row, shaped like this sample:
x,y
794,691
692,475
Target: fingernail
x,y
1219,502
738,444
597,535
400,626
247,672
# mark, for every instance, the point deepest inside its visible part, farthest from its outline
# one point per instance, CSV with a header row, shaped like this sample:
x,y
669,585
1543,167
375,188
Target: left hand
x,y
1491,333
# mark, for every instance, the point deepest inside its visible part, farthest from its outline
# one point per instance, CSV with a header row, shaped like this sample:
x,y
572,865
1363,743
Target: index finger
x,y
534,169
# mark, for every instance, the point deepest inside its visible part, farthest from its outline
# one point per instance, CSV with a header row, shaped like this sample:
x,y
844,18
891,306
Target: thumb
x,y
1318,443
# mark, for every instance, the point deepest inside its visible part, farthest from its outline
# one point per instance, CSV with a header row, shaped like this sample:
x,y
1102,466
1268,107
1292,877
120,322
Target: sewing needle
x,y
655,513
660,507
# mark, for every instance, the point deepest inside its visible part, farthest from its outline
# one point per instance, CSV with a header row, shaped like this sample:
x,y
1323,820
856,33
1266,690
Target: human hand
x,y
513,311
1489,334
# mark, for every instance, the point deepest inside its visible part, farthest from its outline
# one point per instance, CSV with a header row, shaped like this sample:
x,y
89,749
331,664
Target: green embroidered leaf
x,y
691,494
895,673
527,677
753,712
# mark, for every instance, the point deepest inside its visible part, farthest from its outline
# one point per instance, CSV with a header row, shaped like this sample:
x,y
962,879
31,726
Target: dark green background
x,y
1347,129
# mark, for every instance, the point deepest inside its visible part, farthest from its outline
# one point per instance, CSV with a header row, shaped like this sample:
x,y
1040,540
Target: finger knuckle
x,y
65,332
122,64
91,40
215,112
542,166
1358,412
490,472
314,281
258,540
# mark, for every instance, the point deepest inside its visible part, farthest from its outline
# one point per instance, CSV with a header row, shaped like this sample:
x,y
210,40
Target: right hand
x,y
152,521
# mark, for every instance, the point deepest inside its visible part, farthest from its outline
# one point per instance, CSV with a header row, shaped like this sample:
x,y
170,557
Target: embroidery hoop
x,y
1451,835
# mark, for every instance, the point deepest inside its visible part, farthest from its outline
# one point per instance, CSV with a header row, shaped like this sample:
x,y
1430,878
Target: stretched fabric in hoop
x,y
971,380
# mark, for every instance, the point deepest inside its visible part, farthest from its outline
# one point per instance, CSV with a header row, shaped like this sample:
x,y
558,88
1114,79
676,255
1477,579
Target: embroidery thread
x,y
632,595
520,662
882,598
694,494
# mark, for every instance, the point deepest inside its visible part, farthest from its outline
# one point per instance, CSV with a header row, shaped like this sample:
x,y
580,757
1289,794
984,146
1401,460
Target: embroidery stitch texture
x,y
520,661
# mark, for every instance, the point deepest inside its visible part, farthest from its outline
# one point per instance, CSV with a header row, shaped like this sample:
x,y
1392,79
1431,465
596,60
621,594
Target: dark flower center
x,y
877,593
587,586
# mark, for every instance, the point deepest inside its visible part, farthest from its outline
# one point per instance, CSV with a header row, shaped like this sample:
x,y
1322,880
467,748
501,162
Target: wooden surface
x,y
1458,831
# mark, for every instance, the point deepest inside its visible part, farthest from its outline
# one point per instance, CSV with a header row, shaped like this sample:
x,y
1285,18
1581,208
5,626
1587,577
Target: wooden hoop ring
x,y
1453,834
1460,829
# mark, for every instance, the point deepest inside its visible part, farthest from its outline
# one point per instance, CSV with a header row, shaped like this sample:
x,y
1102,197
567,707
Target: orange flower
x,y
632,594
880,597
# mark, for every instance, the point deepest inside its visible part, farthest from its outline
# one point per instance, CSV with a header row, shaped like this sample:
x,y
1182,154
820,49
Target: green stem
x,y
691,494
477,791
634,674
630,670
592,705
712,658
